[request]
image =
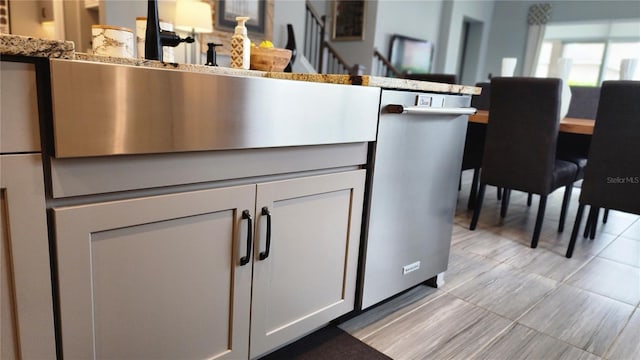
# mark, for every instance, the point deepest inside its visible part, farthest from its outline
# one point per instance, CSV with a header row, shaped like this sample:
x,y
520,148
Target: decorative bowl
x,y
269,59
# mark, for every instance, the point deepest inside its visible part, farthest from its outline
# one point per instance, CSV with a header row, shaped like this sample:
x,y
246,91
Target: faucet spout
x,y
155,38
152,42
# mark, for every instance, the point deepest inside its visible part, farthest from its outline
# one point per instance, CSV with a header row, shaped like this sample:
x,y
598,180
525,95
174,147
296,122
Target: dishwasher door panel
x,y
416,169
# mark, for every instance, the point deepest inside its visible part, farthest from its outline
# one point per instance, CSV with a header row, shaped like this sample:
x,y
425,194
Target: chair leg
x,y
499,193
587,226
460,182
574,232
529,199
474,189
536,231
476,211
565,205
506,196
594,224
605,216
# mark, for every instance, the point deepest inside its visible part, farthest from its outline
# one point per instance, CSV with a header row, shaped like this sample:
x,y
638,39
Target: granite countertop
x,y
29,46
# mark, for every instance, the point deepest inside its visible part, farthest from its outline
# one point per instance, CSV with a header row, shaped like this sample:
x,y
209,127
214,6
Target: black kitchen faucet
x,y
155,38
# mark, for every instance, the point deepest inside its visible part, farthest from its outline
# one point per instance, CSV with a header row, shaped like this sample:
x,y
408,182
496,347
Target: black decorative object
x,y
211,54
291,45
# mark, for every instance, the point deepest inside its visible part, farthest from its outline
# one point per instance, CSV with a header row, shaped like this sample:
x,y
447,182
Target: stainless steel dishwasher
x,y
415,169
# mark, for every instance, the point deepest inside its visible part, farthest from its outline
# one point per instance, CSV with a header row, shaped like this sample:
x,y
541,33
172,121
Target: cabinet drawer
x,y
19,130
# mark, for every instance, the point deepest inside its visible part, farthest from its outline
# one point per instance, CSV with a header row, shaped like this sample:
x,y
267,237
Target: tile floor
x,y
504,300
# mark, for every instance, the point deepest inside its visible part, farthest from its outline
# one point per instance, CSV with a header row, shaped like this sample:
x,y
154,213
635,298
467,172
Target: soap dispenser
x,y
240,45
211,54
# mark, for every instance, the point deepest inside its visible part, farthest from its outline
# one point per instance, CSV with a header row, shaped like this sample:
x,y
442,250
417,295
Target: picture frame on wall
x,y
5,23
348,20
259,29
227,10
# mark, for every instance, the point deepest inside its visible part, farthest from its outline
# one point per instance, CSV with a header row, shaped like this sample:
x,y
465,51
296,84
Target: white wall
x,y
289,12
358,51
448,49
509,32
417,19
25,20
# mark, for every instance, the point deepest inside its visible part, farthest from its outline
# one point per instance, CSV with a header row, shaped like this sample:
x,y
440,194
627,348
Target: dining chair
x,y
612,177
575,147
474,143
520,146
474,140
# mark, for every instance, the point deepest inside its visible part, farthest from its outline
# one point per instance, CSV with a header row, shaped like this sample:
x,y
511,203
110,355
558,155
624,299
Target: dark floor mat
x,y
328,343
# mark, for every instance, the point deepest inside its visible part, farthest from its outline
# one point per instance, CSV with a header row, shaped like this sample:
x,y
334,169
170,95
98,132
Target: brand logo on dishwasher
x,y
430,101
423,100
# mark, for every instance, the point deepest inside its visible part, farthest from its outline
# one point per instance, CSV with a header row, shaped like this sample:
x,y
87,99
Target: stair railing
x,y
314,37
383,67
318,51
335,63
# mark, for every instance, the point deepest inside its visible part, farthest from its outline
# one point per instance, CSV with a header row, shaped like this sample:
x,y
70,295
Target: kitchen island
x,y
188,207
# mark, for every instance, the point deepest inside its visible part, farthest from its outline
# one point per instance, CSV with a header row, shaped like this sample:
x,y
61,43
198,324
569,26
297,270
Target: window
x,y
596,48
587,60
616,52
544,61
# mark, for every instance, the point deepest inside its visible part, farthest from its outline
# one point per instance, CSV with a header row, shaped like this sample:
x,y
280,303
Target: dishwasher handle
x,y
423,110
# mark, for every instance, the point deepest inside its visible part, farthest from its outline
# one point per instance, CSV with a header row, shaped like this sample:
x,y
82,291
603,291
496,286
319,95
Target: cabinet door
x,y
157,277
26,310
309,277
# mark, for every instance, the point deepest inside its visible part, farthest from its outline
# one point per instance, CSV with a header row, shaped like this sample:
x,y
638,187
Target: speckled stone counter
x,y
364,80
28,46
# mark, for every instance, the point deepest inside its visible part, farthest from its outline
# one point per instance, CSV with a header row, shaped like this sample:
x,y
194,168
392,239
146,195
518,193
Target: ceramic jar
x,y
112,41
168,54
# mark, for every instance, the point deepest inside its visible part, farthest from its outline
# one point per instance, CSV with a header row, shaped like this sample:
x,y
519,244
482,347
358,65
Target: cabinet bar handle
x,y
422,110
247,215
267,213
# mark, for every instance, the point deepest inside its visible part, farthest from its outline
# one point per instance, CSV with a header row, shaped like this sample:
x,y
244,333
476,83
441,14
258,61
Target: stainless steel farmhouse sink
x,y
108,109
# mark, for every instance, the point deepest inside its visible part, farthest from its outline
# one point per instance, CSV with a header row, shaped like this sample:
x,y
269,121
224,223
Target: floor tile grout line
x,y
504,262
402,316
563,281
589,258
605,296
516,322
493,339
615,339
547,295
558,339
511,324
592,293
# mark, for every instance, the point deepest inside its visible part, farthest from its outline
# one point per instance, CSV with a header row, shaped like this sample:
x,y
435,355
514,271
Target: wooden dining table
x,y
567,124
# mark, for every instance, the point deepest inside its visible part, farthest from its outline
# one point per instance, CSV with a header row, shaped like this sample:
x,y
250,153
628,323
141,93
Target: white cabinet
x,y
309,276
26,301
161,277
19,130
156,277
26,310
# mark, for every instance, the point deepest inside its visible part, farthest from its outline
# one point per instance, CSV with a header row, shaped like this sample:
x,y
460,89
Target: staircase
x,y
318,51
382,66
324,58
